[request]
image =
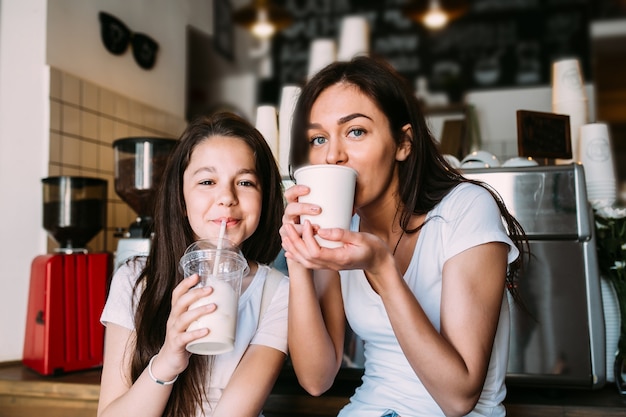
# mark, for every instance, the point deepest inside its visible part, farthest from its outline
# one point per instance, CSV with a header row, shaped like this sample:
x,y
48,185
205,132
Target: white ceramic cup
x,y
288,99
267,124
332,188
354,38
322,52
223,268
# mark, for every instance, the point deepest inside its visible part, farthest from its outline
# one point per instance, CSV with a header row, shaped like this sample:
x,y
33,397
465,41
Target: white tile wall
x,y
85,120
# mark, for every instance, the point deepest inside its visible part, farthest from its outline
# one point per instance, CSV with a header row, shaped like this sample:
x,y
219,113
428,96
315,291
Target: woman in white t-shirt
x,y
220,170
421,275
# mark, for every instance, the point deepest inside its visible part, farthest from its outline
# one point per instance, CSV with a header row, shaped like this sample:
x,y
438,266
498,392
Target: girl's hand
x,y
181,317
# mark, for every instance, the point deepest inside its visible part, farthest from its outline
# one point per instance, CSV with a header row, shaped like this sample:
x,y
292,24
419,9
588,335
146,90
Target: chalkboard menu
x,y
497,44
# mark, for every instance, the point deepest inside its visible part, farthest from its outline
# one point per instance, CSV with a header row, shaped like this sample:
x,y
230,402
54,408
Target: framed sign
x,y
543,135
224,37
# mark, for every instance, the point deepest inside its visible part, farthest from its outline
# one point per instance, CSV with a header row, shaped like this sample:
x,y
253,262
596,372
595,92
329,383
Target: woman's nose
x,y
336,153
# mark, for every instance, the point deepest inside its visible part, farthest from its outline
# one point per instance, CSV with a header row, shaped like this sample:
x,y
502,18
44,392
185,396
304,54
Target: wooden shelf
x,y
24,393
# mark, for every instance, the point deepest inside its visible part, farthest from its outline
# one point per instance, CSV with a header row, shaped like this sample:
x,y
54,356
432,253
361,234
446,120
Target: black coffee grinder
x,y
68,287
139,165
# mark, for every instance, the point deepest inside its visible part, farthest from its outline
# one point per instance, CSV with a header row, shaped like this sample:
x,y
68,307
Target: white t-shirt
x,y
466,217
272,330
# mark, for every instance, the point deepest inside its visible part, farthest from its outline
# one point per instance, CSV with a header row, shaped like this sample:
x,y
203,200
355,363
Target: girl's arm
x,y
251,383
146,397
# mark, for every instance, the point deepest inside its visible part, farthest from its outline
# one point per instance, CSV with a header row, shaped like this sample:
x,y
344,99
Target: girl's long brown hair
x,y
172,235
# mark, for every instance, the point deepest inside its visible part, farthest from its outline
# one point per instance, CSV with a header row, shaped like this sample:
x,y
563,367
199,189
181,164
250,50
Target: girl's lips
x,y
229,222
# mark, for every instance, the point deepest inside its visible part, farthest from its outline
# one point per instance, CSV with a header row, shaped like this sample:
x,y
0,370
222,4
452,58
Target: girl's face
x,y
221,183
346,127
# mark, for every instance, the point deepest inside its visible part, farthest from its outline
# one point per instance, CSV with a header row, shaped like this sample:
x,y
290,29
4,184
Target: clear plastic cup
x,y
221,265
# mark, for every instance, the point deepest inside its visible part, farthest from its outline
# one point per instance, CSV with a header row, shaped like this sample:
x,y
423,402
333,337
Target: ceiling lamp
x,y
263,18
435,14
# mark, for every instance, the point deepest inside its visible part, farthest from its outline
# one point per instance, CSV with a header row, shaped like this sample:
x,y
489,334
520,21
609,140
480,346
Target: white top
x,y
272,331
466,217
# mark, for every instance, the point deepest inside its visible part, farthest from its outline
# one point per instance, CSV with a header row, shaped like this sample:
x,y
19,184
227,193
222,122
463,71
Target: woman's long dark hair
x,y
172,235
425,176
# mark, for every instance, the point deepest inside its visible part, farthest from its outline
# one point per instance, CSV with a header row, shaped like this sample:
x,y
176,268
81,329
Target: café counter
x,y
24,393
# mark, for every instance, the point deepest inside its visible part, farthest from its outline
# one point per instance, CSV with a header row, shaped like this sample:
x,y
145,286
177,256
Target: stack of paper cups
x,y
322,52
288,99
354,38
569,98
597,159
267,124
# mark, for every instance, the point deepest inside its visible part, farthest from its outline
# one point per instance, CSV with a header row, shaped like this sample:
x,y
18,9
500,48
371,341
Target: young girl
x,y
423,269
221,169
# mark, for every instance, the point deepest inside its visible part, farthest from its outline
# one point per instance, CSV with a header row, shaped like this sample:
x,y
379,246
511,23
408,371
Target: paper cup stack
x,y
597,159
267,124
321,53
354,38
569,97
288,99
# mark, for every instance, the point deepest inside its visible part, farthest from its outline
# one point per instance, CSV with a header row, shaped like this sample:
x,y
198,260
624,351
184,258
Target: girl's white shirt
x,y
272,330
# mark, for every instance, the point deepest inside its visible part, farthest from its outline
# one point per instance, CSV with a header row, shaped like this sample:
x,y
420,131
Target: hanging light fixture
x,y
435,14
262,18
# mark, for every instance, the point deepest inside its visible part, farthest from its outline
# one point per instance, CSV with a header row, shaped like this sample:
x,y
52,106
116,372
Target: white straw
x,y
219,246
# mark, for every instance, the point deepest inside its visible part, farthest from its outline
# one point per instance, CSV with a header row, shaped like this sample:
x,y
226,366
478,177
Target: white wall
x,y
23,159
75,46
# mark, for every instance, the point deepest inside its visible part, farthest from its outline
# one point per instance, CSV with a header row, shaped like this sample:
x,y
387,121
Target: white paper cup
x,y
322,52
288,99
597,159
578,113
332,188
354,38
222,269
567,81
267,124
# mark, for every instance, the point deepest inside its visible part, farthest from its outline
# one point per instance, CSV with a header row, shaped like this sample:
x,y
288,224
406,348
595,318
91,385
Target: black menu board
x,y
497,44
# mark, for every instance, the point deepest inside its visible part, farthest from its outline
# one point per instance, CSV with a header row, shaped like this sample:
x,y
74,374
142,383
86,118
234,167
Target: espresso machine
x,y
139,165
68,287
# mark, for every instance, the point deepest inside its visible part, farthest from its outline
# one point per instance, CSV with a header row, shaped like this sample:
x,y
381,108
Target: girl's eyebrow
x,y
341,120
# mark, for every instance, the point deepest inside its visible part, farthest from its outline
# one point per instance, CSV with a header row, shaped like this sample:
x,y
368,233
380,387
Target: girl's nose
x,y
227,196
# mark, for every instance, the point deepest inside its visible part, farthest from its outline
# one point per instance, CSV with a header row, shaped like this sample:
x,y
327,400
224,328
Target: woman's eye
x,y
356,132
318,140
207,182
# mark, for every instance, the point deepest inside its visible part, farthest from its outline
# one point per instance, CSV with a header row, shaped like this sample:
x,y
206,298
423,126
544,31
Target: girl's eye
x,y
207,182
318,140
356,132
247,183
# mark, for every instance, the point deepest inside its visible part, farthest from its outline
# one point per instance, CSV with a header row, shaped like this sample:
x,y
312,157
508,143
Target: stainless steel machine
x,y
561,343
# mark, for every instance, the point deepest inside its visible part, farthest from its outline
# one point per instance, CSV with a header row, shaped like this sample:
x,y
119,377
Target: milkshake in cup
x,y
219,264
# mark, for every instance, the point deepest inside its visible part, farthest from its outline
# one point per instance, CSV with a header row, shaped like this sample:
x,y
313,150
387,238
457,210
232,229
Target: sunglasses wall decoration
x,y
116,37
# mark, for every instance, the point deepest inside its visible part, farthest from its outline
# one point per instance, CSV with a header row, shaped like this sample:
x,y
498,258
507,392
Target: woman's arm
x,y
452,364
251,383
316,326
316,317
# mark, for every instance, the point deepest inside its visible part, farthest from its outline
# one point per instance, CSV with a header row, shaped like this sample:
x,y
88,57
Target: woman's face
x,y
221,183
347,128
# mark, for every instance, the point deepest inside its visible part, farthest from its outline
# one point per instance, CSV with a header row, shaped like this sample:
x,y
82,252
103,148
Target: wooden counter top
x,y
24,393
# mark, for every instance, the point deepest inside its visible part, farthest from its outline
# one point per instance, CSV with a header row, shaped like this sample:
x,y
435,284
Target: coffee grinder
x,y
139,165
68,287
